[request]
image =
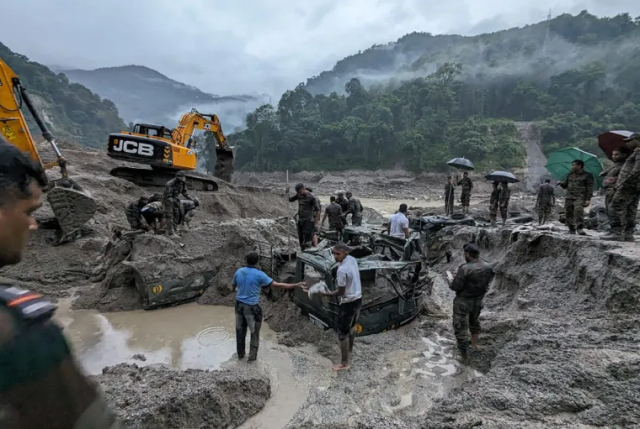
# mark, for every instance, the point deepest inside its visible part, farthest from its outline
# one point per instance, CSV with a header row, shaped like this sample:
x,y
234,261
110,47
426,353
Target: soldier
x,y
494,203
334,212
611,174
171,203
41,385
449,196
624,202
579,186
545,201
308,215
188,211
354,207
153,213
133,213
503,201
470,285
342,201
465,194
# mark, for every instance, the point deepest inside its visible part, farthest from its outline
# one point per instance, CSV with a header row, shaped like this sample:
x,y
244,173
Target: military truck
x,y
392,291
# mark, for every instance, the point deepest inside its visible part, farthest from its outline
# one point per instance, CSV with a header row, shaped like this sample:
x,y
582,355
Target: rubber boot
x,y
581,231
612,236
474,342
504,222
493,223
540,220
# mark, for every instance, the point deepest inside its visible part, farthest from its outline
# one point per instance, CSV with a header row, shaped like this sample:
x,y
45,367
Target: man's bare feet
x,y
340,367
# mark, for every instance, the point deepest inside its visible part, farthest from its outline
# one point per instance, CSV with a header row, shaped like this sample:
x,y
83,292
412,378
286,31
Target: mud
x,y
158,397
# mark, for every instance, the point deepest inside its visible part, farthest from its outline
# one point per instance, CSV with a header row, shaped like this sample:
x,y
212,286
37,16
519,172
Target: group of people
x,y
499,201
166,211
337,211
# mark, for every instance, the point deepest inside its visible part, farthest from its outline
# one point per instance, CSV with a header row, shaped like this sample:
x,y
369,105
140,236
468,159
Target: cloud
x,y
251,46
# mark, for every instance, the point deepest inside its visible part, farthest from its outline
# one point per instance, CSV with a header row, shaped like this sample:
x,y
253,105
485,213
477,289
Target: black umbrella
x,y
461,164
501,176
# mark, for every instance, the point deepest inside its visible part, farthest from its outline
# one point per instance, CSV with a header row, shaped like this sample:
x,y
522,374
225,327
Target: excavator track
x,y
157,178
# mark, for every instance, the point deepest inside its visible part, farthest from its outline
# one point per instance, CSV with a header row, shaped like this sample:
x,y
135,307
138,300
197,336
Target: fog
x,y
251,47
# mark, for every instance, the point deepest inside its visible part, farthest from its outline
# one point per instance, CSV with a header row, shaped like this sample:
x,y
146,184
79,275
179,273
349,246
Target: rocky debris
x,y
559,334
59,271
158,397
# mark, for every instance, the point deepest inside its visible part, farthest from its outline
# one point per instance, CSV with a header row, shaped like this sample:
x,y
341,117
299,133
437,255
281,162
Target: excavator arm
x,y
71,205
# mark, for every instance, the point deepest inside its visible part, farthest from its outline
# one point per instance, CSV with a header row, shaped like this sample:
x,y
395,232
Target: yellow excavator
x,y
167,151
71,205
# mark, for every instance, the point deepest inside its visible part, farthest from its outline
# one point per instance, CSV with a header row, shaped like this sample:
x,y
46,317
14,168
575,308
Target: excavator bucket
x,y
224,164
71,205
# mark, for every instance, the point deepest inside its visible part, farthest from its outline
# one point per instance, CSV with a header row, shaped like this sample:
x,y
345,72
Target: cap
x,y
634,136
471,248
180,176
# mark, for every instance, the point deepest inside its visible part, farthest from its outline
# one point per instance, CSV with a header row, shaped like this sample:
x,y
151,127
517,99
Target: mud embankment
x,y
158,397
560,330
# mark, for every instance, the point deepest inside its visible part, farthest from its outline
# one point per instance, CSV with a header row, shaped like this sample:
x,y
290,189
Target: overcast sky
x,y
248,46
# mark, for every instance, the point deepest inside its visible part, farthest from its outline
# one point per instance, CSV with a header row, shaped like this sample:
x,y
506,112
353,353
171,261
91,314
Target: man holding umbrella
x,y
466,186
579,186
624,204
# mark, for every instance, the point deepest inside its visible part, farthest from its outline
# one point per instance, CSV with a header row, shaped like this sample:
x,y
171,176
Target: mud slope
x,y
54,270
560,330
158,398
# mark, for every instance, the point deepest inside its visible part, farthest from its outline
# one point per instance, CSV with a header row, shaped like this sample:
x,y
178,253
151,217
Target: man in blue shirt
x,y
249,281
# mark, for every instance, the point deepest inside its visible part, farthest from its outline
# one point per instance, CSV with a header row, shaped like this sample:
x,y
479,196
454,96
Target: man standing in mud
x,y
470,285
449,196
342,201
623,207
41,385
503,201
610,175
545,201
349,292
249,281
494,203
355,209
308,215
133,212
465,195
334,212
579,186
171,201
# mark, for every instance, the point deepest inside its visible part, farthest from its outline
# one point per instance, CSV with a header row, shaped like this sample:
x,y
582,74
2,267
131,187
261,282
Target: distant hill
x,y
71,110
143,94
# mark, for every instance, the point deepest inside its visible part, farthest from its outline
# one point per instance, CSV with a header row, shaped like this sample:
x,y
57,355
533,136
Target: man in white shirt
x,y
399,223
349,292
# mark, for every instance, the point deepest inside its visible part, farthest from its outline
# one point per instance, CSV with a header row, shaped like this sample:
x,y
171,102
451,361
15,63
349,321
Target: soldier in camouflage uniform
x,y
494,203
134,215
579,186
470,285
354,207
41,385
449,196
465,194
308,215
545,201
503,201
334,212
171,202
623,207
610,175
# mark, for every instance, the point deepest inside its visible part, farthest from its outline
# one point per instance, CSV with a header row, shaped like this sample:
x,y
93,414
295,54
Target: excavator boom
x,y
71,205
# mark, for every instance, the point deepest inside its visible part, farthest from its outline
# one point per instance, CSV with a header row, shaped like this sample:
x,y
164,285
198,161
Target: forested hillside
x,y
450,96
71,110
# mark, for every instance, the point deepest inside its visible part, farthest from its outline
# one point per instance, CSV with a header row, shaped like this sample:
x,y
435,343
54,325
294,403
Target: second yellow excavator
x,y
170,150
71,205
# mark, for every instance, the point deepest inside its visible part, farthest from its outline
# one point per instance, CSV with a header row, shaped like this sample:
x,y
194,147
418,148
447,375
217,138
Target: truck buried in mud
x,y
392,290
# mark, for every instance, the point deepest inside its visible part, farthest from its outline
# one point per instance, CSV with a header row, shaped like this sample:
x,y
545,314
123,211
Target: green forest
x,y
73,112
574,76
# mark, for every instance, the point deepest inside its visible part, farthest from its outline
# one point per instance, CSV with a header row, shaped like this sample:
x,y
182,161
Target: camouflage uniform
x,y
133,213
354,207
41,386
171,202
494,204
470,285
449,197
503,202
334,213
579,188
546,195
307,208
624,202
465,195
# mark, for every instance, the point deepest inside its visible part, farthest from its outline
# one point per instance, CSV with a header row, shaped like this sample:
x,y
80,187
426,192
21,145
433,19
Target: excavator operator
x,y
171,201
41,385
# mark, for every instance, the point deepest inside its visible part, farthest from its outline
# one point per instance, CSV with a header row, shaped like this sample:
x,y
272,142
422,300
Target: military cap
x,y
471,248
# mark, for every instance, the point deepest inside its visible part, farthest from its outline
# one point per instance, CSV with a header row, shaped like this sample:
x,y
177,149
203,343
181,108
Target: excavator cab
x,y
71,205
152,130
